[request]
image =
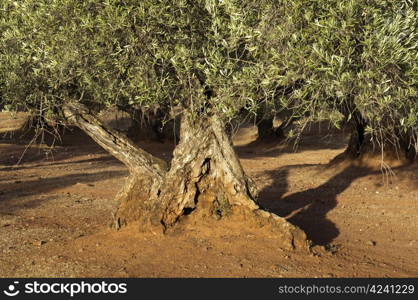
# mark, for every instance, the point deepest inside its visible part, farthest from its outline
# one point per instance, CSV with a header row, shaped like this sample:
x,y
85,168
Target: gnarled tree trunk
x,y
146,172
206,172
205,178
361,145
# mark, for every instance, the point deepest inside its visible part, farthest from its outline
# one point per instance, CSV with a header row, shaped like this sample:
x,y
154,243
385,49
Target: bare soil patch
x,y
55,208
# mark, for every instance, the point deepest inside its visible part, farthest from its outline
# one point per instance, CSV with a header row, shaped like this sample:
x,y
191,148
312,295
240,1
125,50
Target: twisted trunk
x,y
206,173
146,172
205,178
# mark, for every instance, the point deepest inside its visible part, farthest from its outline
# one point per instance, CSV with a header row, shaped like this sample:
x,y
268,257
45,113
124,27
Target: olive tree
x,y
356,64
66,59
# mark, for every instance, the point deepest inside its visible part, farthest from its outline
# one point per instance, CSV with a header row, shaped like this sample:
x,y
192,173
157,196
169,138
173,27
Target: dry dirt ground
x,y
55,208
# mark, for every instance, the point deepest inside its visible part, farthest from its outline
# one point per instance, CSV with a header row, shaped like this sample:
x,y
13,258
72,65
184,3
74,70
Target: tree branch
x,y
117,144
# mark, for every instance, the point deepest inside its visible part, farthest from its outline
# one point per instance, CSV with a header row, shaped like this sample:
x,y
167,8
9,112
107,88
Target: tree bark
x,y
357,140
205,178
146,172
360,145
208,173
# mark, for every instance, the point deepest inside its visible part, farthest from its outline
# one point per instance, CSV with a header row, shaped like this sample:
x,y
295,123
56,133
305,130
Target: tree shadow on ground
x,y
308,209
275,148
14,196
14,155
45,163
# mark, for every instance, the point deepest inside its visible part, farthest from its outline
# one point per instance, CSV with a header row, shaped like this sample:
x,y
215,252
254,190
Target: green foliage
x,y
357,61
144,54
348,61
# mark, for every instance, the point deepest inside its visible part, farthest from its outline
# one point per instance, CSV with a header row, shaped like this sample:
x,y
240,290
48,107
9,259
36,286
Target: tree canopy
x,y
356,61
347,61
144,54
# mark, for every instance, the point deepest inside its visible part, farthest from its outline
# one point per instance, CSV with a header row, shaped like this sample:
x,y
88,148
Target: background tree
x,y
66,60
357,62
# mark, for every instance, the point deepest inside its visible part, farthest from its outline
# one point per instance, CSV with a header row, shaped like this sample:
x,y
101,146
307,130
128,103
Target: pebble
x,y
371,243
38,243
